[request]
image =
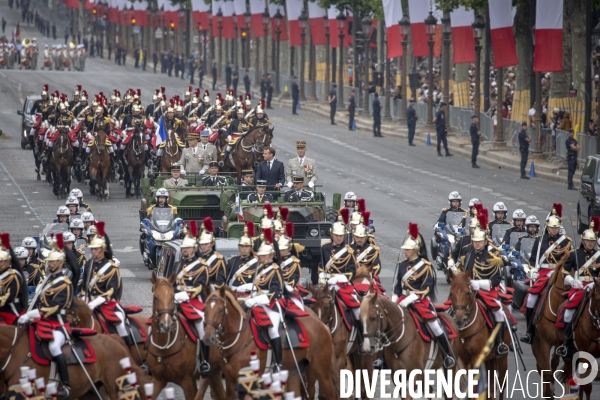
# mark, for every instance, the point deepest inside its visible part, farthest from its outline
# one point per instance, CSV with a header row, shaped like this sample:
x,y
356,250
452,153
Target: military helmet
x,y
554,220
519,214
91,231
246,239
454,196
29,243
62,107
500,207
410,244
55,255
266,222
265,248
21,252
190,237
278,225
284,243
592,232
162,192
97,242
76,223
248,102
474,201
206,236
474,222
4,255
68,237
338,227
72,201
240,110
44,90
63,210
479,235
87,217
218,107
360,230
356,216
532,220
76,193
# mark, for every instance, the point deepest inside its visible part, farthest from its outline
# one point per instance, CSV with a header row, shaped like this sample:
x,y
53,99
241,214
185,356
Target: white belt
x,y
546,265
408,292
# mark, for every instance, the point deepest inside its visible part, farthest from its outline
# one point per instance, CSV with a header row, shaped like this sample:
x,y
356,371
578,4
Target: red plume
x,y
250,226
100,228
262,103
483,221
248,96
285,213
139,92
268,232
479,208
189,89
361,205
366,216
241,98
45,87
289,229
485,211
60,241
596,221
5,237
269,208
413,230
162,89
208,224
558,208
193,228
345,213
206,93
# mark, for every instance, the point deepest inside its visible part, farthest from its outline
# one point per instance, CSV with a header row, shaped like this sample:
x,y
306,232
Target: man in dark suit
x,y
247,81
295,94
271,170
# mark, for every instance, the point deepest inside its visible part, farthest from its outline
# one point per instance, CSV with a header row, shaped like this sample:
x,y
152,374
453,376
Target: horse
x,y
392,329
38,147
472,327
99,167
171,353
248,151
15,353
171,152
61,162
135,158
228,325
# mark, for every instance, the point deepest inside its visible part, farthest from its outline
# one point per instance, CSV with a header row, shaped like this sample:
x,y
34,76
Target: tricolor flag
x,y
257,7
89,4
216,6
200,12
392,10
228,25
502,14
317,23
463,42
161,133
418,11
239,7
140,13
294,10
548,53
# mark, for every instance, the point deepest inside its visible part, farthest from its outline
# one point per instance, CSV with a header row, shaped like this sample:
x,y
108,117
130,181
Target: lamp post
x,y
246,42
266,18
302,24
596,33
182,31
341,25
161,18
430,23
478,30
234,42
220,27
277,18
446,31
404,32
366,27
327,56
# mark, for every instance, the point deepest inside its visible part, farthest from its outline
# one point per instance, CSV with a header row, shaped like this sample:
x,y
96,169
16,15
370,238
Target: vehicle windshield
x,y
52,229
514,238
28,106
526,246
161,219
453,219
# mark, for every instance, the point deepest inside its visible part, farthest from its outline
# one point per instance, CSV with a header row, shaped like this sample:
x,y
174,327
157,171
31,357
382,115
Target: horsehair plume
x,y
483,221
60,241
100,228
78,88
289,229
262,103
206,93
139,92
486,212
250,226
189,89
268,234
478,207
45,87
284,212
365,217
345,213
269,208
248,96
558,208
5,237
193,229
596,223
413,230
241,98
362,207
208,224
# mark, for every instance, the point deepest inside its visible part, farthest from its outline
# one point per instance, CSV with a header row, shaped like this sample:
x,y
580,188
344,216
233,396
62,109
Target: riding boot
x,y
128,340
148,159
63,372
449,361
501,347
530,334
566,349
222,162
46,155
359,337
378,363
157,163
204,365
277,353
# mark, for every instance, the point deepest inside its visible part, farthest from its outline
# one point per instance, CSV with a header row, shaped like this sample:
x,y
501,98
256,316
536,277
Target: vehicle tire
x,y
580,226
24,144
330,214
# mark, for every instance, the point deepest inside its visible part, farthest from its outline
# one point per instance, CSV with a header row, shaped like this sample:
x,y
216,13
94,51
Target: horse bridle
x,y
210,322
163,311
219,328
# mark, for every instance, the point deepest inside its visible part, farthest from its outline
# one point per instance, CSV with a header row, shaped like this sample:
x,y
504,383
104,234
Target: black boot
x,y
449,361
222,162
148,159
378,363
46,155
530,334
63,372
128,340
359,337
566,349
204,365
277,353
501,347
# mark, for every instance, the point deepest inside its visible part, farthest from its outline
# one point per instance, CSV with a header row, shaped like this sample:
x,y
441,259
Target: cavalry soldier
x,y
190,110
170,119
179,112
213,179
128,126
61,120
54,299
79,195
500,211
366,254
175,181
547,251
584,263
83,106
136,118
69,240
290,269
41,106
260,119
214,260
517,230
485,271
260,196
472,207
302,166
464,243
162,201
118,111
75,100
35,274
297,194
217,119
269,285
13,289
241,268
237,128
190,284
99,122
152,108
415,288
205,107
455,200
187,96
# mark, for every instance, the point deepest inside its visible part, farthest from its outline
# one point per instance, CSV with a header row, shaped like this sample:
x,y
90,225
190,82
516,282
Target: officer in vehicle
x,y
260,196
518,227
455,200
297,194
175,181
162,201
212,179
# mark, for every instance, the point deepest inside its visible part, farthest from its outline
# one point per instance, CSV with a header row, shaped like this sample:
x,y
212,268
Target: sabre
x,y
576,259
512,339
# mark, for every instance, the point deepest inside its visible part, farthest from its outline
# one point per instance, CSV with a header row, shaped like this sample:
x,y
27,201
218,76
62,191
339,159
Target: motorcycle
x,y
159,228
445,239
517,273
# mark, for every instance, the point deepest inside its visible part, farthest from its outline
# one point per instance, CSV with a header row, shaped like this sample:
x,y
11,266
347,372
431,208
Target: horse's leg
x,y
541,351
159,385
188,385
131,180
217,391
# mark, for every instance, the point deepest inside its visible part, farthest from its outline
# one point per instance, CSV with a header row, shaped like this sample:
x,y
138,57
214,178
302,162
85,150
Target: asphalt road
x,y
401,184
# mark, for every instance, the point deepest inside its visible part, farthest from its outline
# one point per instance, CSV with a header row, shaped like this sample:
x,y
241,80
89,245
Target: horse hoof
x,y
39,178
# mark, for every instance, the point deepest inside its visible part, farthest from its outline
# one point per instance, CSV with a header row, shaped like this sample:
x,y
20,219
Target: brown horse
x,y
229,326
171,152
247,152
171,352
38,147
390,327
99,167
472,327
15,353
135,158
61,162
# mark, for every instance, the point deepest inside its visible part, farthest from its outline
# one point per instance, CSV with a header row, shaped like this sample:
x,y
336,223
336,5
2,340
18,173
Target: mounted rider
x,y
241,268
366,253
62,120
75,100
217,120
155,106
260,118
128,127
69,240
464,244
82,107
214,260
13,285
547,251
179,112
238,128
584,263
99,122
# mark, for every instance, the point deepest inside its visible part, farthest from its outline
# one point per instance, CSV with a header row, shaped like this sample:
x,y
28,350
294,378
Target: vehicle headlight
x,y
598,199
451,239
162,236
314,232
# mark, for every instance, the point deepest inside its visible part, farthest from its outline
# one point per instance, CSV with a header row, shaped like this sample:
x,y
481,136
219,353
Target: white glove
x,y
590,286
183,172
533,273
250,302
116,261
96,302
450,263
34,314
23,318
481,284
409,300
289,184
246,287
289,288
262,300
324,275
311,184
395,298
341,278
181,297
475,285
201,172
333,280
574,283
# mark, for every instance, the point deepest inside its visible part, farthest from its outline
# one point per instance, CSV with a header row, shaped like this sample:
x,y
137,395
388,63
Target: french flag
x,y
547,56
502,14
463,42
216,6
294,10
113,11
257,7
200,13
392,10
141,13
419,10
317,23
240,9
161,133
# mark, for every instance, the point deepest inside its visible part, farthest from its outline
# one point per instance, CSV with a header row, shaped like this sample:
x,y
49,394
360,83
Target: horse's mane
x,y
229,295
363,271
80,306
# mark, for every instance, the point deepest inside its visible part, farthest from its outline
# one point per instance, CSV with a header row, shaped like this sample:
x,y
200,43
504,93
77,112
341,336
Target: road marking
x,y
22,194
536,208
126,273
127,249
508,198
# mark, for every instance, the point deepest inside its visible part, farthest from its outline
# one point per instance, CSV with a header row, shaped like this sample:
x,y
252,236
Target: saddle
x,y
189,327
346,312
259,321
108,320
424,329
40,352
560,314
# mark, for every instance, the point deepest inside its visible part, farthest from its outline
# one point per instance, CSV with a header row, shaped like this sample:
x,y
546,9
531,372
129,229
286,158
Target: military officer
x,y
75,100
35,271
237,128
247,180
213,179
214,261
175,181
179,115
69,239
260,196
192,159
42,105
79,195
216,119
152,108
260,118
366,254
519,217
297,194
241,268
301,166
207,150
61,119
13,289
289,265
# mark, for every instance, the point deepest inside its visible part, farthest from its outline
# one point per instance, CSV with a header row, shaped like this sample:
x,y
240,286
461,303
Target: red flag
x,y
200,12
463,42
548,52
294,10
501,29
317,23
257,7
392,10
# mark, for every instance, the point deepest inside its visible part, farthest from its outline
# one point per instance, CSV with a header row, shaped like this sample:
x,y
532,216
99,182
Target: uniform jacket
x,y
170,183
308,169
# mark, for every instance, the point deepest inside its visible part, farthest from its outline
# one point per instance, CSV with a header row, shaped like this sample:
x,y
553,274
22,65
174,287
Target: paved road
x,y
401,184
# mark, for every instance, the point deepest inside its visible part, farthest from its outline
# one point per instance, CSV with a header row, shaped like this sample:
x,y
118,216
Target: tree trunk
x,y
575,62
523,71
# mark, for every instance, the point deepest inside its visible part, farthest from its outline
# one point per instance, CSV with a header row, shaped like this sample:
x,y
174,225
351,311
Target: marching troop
x,y
26,57
62,57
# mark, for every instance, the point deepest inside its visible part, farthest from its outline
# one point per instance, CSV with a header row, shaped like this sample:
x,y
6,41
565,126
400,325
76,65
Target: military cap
x,y
205,133
193,135
298,179
176,166
261,182
247,172
523,123
213,164
300,144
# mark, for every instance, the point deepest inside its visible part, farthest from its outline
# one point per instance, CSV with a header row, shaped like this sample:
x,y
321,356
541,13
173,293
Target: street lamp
x,y
266,18
430,24
366,27
478,30
278,19
446,31
302,24
220,27
404,32
327,55
246,46
180,37
341,25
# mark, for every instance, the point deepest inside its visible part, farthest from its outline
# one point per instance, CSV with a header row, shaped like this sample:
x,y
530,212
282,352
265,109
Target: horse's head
x,y
79,314
261,138
462,297
363,280
373,317
216,309
100,140
324,304
163,303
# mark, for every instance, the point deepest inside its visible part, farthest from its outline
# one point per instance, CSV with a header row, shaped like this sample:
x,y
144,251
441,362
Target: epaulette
x,y
67,280
445,208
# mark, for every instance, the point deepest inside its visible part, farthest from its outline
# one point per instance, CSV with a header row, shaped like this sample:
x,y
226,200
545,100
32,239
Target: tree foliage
x,y
374,8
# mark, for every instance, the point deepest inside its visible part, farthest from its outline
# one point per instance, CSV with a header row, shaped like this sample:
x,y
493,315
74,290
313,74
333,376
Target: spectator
x,y
228,75
192,70
351,109
572,150
182,66
200,74
475,138
411,121
398,93
332,103
66,36
591,128
565,122
136,58
295,95
531,115
144,59
170,61
263,87
269,85
110,49
524,141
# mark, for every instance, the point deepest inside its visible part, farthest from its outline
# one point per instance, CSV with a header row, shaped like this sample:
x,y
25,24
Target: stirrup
x,y
221,163
449,362
204,367
502,349
562,351
277,367
64,392
527,338
378,364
